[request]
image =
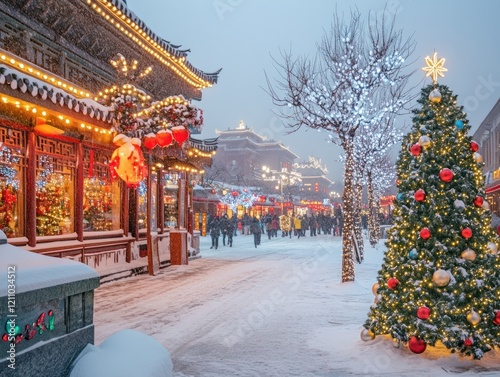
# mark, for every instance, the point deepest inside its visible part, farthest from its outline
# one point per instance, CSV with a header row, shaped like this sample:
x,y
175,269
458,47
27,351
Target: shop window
x,y
170,195
11,202
101,195
142,210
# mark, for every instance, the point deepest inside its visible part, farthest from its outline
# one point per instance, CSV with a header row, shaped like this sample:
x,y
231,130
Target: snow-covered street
x,y
275,310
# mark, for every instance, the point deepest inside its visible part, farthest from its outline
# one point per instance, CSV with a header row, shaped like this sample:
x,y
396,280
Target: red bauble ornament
x,y
466,233
468,342
392,283
425,233
150,141
446,175
478,201
420,195
164,138
474,147
423,312
416,149
180,133
496,320
416,345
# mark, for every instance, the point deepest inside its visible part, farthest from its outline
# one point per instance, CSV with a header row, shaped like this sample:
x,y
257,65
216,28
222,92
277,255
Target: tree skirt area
x,y
275,310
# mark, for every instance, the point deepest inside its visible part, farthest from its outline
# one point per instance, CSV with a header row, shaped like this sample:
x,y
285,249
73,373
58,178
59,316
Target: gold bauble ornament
x,y
367,335
441,278
477,158
424,141
396,343
492,248
435,96
486,206
375,287
473,317
468,254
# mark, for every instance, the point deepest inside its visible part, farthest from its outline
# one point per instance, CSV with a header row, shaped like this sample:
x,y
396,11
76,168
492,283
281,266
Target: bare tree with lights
x,y
357,79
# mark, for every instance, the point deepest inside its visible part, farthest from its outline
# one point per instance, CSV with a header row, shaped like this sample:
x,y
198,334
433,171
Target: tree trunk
x,y
372,212
358,219
348,203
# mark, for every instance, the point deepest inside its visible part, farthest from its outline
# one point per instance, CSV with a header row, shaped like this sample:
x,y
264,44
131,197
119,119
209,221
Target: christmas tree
x,y
439,281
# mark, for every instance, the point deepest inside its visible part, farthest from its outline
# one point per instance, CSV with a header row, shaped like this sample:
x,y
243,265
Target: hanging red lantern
x,y
127,161
446,175
478,201
416,149
474,147
235,193
150,141
180,133
420,195
392,283
164,138
425,233
423,312
416,345
466,233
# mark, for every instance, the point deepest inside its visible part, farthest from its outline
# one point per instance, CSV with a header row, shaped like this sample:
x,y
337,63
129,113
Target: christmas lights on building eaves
x,y
136,34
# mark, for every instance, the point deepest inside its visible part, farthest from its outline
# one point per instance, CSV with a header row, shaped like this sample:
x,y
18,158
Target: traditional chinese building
x,y
488,138
316,185
57,193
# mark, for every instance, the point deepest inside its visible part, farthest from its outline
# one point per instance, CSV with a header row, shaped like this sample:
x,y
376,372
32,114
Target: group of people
x,y
295,225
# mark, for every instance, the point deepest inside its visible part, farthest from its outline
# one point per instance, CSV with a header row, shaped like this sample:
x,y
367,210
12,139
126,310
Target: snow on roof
x,y
29,271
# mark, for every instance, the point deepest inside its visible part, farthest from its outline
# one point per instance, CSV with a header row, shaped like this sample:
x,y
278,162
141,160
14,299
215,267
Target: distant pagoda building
x,y
315,183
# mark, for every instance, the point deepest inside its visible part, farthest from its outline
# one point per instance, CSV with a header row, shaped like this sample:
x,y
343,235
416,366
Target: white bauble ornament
x,y
441,278
396,343
478,158
378,298
486,206
458,204
367,335
492,247
375,287
473,317
424,141
435,96
468,254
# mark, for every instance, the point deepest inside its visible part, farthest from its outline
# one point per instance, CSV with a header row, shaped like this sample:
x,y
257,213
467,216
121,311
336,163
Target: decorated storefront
x,y
95,166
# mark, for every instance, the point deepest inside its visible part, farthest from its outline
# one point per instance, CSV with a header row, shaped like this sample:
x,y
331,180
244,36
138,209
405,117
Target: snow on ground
x,y
276,310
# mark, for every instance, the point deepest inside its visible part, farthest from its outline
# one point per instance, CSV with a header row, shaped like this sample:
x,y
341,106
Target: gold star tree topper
x,y
434,67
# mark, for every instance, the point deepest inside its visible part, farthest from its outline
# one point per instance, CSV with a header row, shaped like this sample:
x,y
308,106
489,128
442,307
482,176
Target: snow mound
x,y
123,354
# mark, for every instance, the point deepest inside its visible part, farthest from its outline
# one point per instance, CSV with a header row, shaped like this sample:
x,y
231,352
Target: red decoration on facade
x,y
91,163
478,201
127,161
235,193
416,149
474,147
420,195
392,283
180,134
164,138
416,345
446,175
466,233
425,233
150,141
423,312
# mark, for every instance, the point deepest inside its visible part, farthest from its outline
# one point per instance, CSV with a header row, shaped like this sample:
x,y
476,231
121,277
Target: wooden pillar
x,y
79,193
31,190
161,202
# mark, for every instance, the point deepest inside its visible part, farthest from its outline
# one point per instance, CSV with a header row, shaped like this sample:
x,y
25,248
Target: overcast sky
x,y
242,36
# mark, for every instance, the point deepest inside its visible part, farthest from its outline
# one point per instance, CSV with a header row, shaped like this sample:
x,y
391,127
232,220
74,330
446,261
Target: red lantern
x,y
392,283
416,149
446,175
164,138
180,133
468,342
420,195
150,141
423,312
474,147
478,201
496,321
425,233
416,345
466,233
235,193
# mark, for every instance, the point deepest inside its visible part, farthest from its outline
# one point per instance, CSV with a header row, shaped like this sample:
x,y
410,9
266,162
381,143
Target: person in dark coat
x,y
230,232
224,223
255,230
215,232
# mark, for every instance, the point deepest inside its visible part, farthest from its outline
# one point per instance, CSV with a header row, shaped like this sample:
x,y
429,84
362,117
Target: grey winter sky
x,y
242,36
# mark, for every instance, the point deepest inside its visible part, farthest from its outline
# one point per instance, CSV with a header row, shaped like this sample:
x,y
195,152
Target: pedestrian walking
x,y
255,229
215,233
